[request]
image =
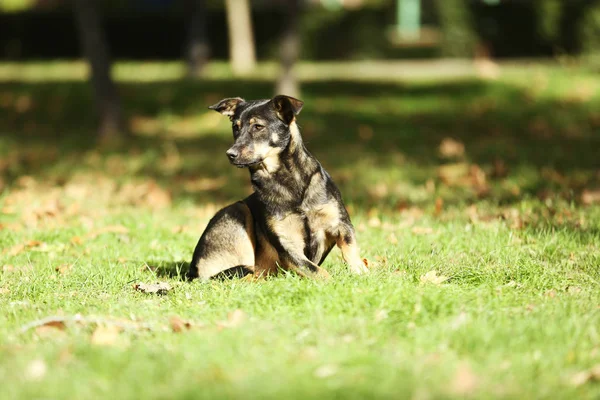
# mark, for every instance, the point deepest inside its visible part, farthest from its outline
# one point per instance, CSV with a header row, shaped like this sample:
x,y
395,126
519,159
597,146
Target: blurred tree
x,y
95,50
241,38
287,82
198,48
458,34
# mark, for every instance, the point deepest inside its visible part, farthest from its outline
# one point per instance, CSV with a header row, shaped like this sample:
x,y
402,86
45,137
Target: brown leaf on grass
x,y
157,288
433,277
465,381
583,377
179,325
450,148
589,196
105,335
4,290
234,319
63,268
19,248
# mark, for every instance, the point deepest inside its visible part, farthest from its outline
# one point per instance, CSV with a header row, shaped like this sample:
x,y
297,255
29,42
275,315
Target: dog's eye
x,y
258,127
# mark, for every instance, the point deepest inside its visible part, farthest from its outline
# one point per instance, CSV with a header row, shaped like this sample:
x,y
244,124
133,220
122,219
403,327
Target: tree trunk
x,y
241,39
289,51
95,50
198,50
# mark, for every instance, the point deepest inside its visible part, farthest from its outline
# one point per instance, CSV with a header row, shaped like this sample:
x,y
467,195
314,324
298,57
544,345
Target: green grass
x,y
517,317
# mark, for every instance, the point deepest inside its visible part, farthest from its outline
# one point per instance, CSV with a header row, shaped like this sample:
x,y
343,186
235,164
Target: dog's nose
x,y
232,154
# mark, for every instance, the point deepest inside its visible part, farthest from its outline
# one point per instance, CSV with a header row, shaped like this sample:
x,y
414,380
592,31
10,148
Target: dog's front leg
x,y
288,238
346,241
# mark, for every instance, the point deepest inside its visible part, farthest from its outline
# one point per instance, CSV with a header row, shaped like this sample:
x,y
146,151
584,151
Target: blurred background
x,y
409,103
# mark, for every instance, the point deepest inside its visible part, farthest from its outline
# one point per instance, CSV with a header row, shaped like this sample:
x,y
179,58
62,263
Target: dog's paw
x,y
322,274
359,269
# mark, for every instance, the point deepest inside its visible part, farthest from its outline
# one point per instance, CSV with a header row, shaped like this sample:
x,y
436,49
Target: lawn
x,y
476,202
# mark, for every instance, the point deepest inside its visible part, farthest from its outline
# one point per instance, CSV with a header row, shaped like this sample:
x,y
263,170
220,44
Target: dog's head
x,y
261,128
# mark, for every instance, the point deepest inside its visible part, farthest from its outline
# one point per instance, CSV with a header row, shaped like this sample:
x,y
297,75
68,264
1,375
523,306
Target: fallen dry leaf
x,y
63,268
179,325
583,377
105,335
158,288
433,277
4,290
450,148
17,249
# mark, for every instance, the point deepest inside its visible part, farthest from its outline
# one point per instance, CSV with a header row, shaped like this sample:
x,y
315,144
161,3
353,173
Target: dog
x,y
295,215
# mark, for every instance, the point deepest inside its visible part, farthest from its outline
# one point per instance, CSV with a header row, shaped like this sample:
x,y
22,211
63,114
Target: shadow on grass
x,y
363,133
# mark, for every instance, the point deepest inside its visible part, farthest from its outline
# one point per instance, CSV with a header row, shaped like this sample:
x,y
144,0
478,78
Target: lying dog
x,y
295,215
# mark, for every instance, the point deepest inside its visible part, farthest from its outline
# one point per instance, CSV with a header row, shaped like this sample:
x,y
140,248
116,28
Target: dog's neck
x,y
284,177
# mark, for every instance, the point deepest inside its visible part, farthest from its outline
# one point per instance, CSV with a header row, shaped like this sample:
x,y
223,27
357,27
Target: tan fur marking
x,y
252,121
290,231
324,217
295,135
238,123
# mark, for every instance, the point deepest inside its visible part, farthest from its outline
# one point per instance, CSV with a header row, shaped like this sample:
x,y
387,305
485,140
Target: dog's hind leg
x,y
227,244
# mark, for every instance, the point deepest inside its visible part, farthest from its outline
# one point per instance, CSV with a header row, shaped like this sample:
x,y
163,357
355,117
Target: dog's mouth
x,y
246,164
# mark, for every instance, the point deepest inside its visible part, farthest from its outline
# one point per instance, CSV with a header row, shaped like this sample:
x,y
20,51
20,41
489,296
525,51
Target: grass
x,y
510,227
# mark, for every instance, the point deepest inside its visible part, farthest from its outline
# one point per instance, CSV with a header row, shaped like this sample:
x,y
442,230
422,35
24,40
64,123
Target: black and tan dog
x,y
295,215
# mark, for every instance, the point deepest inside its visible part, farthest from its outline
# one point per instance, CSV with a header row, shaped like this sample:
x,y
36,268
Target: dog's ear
x,y
227,106
287,107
